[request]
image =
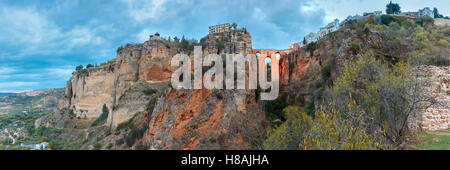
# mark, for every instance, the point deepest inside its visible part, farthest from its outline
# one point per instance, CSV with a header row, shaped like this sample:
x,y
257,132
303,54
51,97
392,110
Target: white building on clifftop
x,y
220,28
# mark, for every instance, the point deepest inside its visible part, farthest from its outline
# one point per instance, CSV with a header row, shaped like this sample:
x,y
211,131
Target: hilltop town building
x,y
219,28
410,14
372,13
296,45
155,37
312,37
331,27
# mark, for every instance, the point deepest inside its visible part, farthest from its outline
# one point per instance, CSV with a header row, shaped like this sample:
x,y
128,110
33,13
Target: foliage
x,y
355,47
102,117
385,95
71,114
329,131
234,25
274,109
291,133
151,104
97,146
311,47
78,68
149,91
310,109
393,8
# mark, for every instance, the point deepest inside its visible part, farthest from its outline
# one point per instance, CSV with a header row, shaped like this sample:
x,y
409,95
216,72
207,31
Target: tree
x,y
89,66
436,13
393,8
234,25
304,41
78,68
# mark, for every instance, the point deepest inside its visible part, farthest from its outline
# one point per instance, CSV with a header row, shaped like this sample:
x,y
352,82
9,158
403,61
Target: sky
x,y
43,41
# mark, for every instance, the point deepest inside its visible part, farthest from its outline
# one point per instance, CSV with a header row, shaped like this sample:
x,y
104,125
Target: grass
x,y
439,140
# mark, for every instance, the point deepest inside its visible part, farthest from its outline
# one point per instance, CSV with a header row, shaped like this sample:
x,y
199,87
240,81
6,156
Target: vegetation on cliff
x,y
376,88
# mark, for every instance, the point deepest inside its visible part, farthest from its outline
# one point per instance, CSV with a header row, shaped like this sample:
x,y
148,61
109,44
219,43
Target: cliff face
x,y
145,111
205,119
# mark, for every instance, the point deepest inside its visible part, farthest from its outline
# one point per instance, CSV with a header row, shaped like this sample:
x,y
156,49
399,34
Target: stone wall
x,y
436,117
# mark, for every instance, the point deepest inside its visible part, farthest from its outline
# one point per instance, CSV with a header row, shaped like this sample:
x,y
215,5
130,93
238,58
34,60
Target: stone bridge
x,y
283,65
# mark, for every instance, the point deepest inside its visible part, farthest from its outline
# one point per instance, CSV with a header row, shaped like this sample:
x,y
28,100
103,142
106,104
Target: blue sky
x,y
42,41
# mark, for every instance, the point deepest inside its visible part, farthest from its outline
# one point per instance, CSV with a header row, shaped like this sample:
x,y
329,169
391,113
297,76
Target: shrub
x,y
310,108
354,47
71,114
311,47
78,68
274,109
386,95
149,91
387,19
102,117
329,131
97,146
151,104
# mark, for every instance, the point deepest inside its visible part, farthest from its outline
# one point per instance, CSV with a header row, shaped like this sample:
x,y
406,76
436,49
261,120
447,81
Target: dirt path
x,y
441,132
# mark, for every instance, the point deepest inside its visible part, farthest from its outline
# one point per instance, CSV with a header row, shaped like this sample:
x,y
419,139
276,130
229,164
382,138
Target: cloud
x,y
32,33
141,10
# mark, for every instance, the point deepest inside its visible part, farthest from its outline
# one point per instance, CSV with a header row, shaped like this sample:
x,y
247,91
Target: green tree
x,y
393,8
78,68
234,26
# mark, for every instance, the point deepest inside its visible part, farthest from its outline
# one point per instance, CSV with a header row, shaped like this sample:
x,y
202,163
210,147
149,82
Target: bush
x,y
78,68
290,134
386,95
71,114
274,109
110,145
354,47
387,19
310,108
151,104
329,131
311,47
149,91
102,117
97,146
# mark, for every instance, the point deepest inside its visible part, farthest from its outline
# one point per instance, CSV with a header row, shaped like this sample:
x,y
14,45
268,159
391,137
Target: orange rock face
x,y
191,119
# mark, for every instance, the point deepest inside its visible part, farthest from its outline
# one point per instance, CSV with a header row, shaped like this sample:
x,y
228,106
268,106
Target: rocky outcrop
x,y
205,119
135,90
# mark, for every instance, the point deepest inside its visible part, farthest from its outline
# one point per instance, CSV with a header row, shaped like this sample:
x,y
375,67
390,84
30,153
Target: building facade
x,y
219,28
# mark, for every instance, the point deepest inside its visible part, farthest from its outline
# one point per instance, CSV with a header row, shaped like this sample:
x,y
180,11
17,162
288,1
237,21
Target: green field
x,y
438,140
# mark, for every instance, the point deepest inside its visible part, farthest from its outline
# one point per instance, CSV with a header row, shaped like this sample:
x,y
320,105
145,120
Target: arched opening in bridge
x,y
268,64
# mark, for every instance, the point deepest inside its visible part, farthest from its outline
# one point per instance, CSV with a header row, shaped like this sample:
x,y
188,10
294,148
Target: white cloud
x,y
32,32
60,72
6,70
142,36
141,10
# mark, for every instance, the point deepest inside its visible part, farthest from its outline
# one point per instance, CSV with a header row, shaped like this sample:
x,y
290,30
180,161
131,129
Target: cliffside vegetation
x,y
375,89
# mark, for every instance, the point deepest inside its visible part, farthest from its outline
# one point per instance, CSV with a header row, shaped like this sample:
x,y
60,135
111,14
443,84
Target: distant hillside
x,y
6,94
37,100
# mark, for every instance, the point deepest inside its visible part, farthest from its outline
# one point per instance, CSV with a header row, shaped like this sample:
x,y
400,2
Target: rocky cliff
x,y
145,112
